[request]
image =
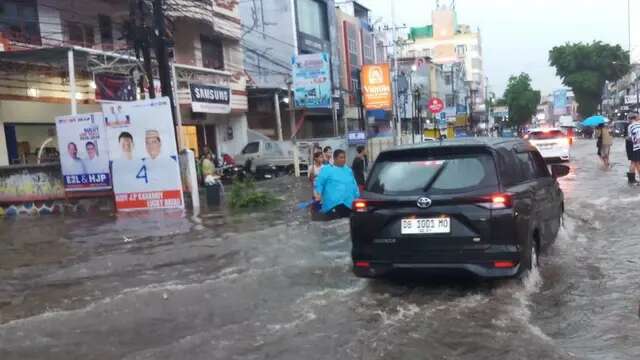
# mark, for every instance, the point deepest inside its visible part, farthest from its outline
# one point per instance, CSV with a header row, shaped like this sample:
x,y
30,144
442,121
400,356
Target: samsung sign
x,y
213,99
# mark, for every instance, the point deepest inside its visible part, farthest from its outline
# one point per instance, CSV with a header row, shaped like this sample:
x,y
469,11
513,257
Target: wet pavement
x,y
273,285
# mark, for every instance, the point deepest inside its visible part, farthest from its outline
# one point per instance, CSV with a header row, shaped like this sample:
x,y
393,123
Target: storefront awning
x,y
58,57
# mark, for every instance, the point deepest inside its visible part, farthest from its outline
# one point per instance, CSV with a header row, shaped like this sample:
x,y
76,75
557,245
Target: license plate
x,y
426,226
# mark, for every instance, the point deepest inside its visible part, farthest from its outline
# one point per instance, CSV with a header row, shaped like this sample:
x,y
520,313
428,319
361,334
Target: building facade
x,y
357,47
447,42
52,52
273,32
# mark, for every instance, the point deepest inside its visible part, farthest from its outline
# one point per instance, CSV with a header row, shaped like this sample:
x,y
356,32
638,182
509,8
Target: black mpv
x,y
483,206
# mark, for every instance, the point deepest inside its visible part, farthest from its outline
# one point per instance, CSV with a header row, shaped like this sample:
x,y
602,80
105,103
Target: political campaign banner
x,y
312,80
114,87
144,159
83,152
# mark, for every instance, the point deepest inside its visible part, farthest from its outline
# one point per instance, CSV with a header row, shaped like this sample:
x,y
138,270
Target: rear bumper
x,y
478,262
379,269
556,153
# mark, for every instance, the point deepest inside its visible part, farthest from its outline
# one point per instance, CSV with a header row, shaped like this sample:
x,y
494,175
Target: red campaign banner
x,y
149,200
114,87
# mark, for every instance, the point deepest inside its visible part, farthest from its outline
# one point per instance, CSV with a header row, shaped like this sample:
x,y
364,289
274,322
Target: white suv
x,y
552,143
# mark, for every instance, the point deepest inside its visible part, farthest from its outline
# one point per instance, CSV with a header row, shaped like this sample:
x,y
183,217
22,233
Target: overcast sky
x,y
518,34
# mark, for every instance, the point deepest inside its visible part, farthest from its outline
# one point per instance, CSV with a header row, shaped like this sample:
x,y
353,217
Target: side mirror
x,y
558,171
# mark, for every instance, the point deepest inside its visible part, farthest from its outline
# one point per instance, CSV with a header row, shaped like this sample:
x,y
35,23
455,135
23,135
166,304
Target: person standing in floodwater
x,y
336,187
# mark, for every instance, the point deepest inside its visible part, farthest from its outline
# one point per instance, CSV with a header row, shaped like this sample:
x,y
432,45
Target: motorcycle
x,y
231,173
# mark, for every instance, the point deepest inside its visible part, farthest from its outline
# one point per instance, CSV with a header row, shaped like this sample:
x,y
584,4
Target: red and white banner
x,y
144,158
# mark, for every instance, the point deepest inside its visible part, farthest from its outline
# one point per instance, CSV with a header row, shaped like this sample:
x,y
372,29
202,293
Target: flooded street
x,y
274,285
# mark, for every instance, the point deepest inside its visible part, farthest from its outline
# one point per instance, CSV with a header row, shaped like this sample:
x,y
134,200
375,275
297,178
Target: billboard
x,y
114,87
312,80
214,99
144,158
560,102
83,152
376,87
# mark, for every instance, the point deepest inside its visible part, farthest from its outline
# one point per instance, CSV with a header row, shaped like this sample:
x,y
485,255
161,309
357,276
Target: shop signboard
x,y
357,138
631,99
144,159
213,99
376,87
312,81
83,151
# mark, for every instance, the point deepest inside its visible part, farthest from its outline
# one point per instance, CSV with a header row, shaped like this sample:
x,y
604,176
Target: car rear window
x,y
546,135
448,174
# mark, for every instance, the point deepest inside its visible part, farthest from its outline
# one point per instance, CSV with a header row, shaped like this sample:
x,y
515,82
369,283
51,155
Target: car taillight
x,y
362,264
565,141
360,206
496,201
504,264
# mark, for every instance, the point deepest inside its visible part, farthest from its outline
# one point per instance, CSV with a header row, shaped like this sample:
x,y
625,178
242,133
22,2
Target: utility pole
x,y
140,36
396,138
162,55
145,37
276,104
292,122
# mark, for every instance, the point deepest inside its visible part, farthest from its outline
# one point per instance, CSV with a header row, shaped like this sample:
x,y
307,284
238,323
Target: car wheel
x,y
532,262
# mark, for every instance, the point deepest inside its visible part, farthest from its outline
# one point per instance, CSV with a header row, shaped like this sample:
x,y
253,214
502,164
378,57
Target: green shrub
x,y
245,195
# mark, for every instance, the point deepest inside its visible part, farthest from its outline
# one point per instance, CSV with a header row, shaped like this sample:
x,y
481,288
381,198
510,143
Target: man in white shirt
x,y
72,165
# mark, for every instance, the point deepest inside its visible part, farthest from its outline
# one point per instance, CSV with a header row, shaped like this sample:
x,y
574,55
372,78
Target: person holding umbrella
x,y
605,140
599,121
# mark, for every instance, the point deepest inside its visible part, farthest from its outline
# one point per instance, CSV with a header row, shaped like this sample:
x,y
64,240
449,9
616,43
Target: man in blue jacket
x,y
336,187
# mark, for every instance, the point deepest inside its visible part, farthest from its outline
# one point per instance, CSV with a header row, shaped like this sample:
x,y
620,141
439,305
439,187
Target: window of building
x,y
461,50
312,18
476,64
447,79
352,43
367,48
106,32
79,34
426,52
212,53
19,21
450,100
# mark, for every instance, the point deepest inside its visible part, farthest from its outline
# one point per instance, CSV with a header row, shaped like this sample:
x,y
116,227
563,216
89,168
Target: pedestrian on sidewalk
x,y
336,188
633,147
605,140
359,166
208,166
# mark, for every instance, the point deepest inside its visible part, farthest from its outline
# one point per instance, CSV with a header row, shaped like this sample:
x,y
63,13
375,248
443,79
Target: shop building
x,y
52,51
273,32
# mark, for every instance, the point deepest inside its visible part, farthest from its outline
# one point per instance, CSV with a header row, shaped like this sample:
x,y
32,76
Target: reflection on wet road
x,y
273,285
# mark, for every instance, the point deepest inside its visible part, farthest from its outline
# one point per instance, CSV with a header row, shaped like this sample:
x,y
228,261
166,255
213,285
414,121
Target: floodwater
x,y
274,285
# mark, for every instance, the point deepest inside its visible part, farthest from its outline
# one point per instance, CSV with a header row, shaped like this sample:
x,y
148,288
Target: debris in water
x,y
165,296
126,239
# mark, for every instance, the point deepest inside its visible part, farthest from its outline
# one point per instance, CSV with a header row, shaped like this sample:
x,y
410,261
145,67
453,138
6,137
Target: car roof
x,y
471,142
544,129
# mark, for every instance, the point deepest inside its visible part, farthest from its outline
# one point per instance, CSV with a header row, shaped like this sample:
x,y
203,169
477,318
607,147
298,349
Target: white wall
x,y
36,112
274,41
238,123
4,155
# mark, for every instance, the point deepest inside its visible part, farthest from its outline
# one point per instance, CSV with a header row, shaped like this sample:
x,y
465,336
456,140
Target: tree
x,y
586,68
521,100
